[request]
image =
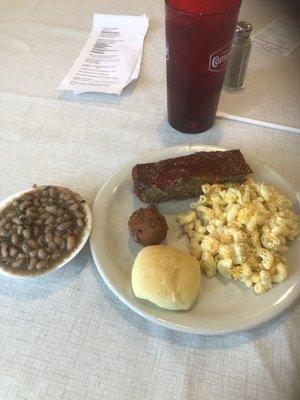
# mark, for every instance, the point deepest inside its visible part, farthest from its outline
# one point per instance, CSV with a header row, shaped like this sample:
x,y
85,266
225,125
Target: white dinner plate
x,y
223,305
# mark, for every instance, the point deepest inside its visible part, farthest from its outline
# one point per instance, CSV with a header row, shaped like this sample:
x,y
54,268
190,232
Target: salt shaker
x,y
239,56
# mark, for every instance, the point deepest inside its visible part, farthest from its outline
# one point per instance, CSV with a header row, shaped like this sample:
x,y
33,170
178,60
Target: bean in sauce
x,y
40,229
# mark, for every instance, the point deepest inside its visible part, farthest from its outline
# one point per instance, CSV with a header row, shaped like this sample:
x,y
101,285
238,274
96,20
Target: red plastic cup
x,y
198,40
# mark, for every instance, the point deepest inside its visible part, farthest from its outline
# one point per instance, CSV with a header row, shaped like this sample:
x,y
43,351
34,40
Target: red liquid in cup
x,y
198,39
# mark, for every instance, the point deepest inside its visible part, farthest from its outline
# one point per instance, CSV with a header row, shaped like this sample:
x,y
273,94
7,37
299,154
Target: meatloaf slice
x,y
182,177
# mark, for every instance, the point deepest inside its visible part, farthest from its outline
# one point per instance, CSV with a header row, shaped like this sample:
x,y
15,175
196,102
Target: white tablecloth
x,y
65,336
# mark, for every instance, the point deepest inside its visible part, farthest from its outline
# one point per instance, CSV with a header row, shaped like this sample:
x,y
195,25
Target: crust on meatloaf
x,y
182,177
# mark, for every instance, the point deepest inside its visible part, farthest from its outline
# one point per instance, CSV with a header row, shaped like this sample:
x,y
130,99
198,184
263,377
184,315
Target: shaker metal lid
x,y
243,28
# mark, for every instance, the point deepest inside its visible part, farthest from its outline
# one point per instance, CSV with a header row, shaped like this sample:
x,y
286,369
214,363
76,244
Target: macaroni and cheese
x,y
241,231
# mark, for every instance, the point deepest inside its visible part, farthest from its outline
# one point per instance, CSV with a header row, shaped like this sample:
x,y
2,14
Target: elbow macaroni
x,y
240,231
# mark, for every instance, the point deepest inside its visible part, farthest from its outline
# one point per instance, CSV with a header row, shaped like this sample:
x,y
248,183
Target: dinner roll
x,y
166,277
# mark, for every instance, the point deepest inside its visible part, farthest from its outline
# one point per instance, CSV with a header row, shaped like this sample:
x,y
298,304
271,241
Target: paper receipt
x,y
111,57
281,36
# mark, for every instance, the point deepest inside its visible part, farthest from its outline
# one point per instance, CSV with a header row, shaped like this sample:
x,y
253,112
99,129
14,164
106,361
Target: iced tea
x,y
198,41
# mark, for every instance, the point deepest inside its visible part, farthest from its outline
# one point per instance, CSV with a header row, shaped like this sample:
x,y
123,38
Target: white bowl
x,y
21,274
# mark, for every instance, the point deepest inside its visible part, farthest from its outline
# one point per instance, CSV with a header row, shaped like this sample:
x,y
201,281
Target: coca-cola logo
x,y
219,59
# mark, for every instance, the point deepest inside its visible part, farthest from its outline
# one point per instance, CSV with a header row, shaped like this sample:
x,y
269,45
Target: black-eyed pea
x,y
58,240
49,220
32,264
26,233
4,250
3,222
60,220
52,246
49,237
67,197
80,222
41,265
13,252
14,228
18,263
51,209
66,233
3,232
42,254
24,205
74,207
7,260
64,226
32,243
79,213
48,228
52,191
55,256
44,216
11,214
45,193
15,239
26,248
8,226
22,255
31,214
33,253
71,242
60,212
40,241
